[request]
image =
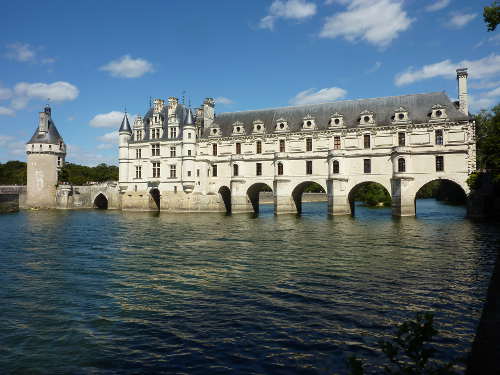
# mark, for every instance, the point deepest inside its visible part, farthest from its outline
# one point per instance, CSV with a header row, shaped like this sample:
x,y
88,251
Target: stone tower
x,y
45,157
125,135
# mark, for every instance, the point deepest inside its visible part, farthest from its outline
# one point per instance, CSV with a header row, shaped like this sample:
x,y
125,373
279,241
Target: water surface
x,y
126,292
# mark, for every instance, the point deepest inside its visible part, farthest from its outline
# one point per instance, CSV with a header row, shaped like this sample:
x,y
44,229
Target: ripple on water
x,y
118,292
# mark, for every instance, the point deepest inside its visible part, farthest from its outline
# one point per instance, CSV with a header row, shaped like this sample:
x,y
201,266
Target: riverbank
x,y
484,357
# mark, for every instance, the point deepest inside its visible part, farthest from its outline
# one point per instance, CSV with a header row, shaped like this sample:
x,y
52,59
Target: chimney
x,y
462,91
43,123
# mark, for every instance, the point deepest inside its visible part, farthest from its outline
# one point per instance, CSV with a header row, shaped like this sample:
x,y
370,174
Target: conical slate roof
x,y
52,136
189,118
125,126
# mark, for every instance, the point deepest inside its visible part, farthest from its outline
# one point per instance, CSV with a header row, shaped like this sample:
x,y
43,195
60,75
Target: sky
x,y
92,60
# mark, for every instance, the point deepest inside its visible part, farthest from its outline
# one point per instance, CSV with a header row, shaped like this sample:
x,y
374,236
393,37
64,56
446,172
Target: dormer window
x,y
258,126
336,120
400,116
214,131
138,123
238,128
367,118
281,125
438,113
308,123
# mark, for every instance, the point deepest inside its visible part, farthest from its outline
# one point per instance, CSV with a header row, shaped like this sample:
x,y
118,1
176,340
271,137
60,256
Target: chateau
x,y
176,159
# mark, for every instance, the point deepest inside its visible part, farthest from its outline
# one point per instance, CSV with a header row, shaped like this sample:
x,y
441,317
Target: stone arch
x,y
101,201
459,189
253,194
299,190
225,194
355,187
154,199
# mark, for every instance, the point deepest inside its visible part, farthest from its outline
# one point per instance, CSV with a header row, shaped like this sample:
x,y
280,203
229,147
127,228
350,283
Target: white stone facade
x,y
174,161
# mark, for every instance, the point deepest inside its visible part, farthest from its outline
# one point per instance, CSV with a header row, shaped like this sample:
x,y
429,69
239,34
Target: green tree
x,y
13,173
491,15
488,141
410,351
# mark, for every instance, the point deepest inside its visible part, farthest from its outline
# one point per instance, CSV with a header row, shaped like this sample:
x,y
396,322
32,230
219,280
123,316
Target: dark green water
x,y
114,292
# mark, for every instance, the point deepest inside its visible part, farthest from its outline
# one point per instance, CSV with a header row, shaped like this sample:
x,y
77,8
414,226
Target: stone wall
x,y
12,198
75,197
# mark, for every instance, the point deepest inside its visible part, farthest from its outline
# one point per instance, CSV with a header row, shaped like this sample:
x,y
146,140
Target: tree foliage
x,y
488,141
371,194
410,351
80,174
491,15
13,173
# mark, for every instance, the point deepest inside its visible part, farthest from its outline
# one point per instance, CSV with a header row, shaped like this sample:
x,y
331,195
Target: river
x,y
109,292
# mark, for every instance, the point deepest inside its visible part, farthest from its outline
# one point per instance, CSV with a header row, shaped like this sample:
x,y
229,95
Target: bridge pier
x,y
338,196
403,196
283,201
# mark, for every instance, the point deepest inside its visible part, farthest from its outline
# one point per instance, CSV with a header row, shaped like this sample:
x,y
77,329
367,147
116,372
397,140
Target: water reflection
x,y
128,292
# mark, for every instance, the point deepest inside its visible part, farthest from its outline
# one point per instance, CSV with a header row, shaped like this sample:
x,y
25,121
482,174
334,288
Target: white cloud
x,y
127,67
484,100
107,120
105,146
11,145
6,111
437,5
111,137
77,154
459,20
287,9
58,92
223,100
5,93
478,69
20,52
321,96
376,21
488,84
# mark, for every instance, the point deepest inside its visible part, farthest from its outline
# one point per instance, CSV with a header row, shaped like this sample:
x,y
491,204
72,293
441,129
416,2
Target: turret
x,y
463,97
46,152
125,135
188,152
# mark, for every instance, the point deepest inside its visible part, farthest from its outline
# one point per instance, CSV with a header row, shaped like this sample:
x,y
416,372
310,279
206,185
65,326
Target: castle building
x,y
46,152
172,159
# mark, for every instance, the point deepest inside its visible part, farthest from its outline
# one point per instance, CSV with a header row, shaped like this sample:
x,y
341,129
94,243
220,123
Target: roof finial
x,y
183,96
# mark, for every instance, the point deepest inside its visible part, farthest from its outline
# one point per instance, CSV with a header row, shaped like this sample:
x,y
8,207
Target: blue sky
x,y
95,58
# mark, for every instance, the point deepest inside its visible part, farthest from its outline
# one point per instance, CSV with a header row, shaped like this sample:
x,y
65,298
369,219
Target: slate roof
x,y
51,137
125,126
418,105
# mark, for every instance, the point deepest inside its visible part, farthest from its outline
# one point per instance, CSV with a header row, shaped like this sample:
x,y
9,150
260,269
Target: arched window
x,y
280,169
336,167
235,170
401,165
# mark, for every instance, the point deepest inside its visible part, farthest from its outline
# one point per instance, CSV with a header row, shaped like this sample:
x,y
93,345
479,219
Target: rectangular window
x,y
173,171
138,153
235,170
309,167
138,172
366,140
309,144
214,149
214,170
282,145
155,149
401,139
155,133
439,137
238,148
336,142
197,173
173,132
367,166
439,163
259,147
59,160
138,135
172,152
280,169
156,170
189,152
258,169
189,173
